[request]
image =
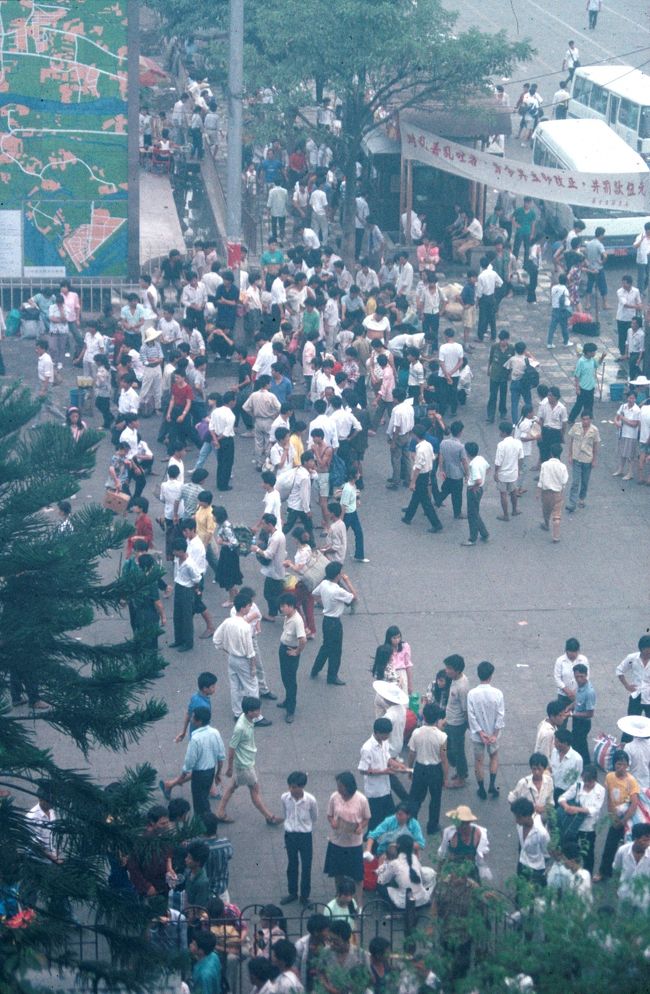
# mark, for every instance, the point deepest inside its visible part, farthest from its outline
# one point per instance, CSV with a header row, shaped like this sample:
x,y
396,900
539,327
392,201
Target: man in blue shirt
x,y
280,384
203,761
207,685
583,711
206,972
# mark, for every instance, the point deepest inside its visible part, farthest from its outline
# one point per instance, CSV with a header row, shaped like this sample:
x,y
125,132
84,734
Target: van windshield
x,y
644,123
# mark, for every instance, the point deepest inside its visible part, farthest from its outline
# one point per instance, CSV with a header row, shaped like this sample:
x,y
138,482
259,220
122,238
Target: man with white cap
x,y
151,356
391,701
638,750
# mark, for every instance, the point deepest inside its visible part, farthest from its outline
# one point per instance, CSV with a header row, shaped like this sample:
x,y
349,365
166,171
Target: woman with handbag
x,y
305,557
586,797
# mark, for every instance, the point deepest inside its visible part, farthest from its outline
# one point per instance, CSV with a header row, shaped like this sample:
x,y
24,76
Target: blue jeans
x,y
579,483
559,319
351,519
517,393
204,452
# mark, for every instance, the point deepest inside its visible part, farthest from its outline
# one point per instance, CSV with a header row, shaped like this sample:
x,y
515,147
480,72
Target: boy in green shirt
x,y
241,763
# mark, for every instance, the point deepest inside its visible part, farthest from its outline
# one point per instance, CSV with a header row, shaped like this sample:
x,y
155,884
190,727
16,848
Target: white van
x,y
589,146
617,95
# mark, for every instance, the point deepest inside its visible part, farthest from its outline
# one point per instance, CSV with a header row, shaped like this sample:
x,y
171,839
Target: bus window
x,y
644,123
581,90
598,100
628,114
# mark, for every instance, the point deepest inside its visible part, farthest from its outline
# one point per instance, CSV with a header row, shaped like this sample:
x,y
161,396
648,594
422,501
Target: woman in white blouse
x,y
397,876
585,797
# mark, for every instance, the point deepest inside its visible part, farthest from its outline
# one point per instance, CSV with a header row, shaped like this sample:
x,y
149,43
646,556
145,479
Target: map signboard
x,y
64,135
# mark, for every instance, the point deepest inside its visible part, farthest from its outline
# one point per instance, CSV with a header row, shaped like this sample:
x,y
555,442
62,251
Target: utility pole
x,y
235,91
133,225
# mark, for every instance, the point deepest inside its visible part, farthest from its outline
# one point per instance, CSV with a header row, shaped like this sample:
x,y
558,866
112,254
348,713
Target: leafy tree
x,y
379,58
51,591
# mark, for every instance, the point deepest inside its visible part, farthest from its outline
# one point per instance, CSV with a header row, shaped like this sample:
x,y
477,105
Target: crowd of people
x,y
331,358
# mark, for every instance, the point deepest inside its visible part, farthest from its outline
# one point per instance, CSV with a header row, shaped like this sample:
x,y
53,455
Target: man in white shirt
x,y
566,763
45,368
234,636
276,205
404,283
300,817
563,674
411,226
186,578
222,431
486,719
326,423
361,214
400,426
375,765
634,674
508,461
553,478
533,841
299,499
309,237
487,284
632,861
470,237
476,477
629,305
40,819
194,298
450,359
642,246
334,592
318,204
265,355
421,481
272,569
571,59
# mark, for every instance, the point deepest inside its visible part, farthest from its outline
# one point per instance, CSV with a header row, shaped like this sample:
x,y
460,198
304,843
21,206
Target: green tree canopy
x,y
52,588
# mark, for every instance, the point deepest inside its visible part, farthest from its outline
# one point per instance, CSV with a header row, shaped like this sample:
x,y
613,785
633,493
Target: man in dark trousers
x,y
203,761
186,578
222,430
420,481
334,596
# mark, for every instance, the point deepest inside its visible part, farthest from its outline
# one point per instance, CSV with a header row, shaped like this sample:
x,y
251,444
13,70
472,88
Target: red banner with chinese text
x,y
619,192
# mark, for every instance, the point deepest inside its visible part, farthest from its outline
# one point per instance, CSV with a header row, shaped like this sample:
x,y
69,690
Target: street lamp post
x,y
235,90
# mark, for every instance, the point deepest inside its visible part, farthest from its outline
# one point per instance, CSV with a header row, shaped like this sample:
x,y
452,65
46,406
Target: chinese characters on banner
x,y
619,192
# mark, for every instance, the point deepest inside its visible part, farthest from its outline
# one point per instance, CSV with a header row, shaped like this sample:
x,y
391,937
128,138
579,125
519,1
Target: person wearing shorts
x,y
507,469
486,719
241,763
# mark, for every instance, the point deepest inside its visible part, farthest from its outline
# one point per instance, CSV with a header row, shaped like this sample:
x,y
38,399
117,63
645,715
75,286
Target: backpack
x,y
530,378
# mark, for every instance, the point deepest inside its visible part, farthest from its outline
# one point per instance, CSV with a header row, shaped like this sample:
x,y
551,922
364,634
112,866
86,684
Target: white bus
x,y
591,147
617,95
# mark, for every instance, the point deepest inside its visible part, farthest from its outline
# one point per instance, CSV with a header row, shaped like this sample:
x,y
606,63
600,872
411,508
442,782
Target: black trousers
x,y
487,316
293,517
474,519
498,389
273,590
456,748
427,778
431,328
455,488
300,848
448,395
614,838
550,436
380,808
421,498
183,624
200,785
331,649
289,676
225,462
580,740
584,402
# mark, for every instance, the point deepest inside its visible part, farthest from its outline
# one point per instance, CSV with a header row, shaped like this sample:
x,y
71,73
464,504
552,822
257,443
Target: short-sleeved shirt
x,y
478,468
621,791
333,597
525,219
583,442
198,700
293,629
349,813
427,743
585,699
242,741
509,452
452,452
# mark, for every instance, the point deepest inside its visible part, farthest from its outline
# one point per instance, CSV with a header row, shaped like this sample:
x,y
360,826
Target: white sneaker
x,y
569,344
59,365
550,346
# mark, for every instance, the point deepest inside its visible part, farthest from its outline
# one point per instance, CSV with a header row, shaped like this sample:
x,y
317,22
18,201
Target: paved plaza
x,y
513,601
